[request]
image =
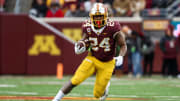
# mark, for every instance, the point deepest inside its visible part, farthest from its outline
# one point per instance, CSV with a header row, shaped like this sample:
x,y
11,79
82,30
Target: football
x,y
81,44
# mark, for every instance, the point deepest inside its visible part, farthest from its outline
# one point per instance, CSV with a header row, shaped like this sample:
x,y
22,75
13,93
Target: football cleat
x,y
55,100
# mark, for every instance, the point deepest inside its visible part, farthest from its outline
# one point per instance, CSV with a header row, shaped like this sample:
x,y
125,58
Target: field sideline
x,y
43,88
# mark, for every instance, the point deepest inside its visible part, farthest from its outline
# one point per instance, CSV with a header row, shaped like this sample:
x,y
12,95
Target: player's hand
x,y
79,49
119,60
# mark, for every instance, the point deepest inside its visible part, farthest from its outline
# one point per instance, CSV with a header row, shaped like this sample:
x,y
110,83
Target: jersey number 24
x,y
103,44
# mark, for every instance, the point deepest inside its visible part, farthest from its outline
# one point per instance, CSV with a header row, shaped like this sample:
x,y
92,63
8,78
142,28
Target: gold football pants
x,y
91,65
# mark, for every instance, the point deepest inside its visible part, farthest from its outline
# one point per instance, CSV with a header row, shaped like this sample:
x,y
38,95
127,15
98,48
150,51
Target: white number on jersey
x,y
103,44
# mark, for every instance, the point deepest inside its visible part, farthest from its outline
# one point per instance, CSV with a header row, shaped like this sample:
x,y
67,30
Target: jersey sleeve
x,y
85,27
85,36
117,28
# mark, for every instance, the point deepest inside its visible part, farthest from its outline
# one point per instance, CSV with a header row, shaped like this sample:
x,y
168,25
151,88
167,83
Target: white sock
x,y
107,87
59,96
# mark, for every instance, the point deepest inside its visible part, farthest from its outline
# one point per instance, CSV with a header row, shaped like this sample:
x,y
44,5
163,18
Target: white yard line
x,y
7,85
170,99
44,82
152,93
124,96
74,94
175,86
20,93
167,96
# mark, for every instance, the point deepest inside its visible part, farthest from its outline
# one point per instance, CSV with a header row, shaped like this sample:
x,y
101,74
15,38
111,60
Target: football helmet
x,y
98,15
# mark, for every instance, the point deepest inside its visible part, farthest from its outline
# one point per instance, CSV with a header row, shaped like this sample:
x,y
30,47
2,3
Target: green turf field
x,y
122,89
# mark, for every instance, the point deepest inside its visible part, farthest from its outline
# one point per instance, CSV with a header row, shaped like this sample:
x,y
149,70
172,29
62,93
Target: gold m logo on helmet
x,y
44,44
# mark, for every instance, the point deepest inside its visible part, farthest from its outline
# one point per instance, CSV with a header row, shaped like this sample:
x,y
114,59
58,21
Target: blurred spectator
x,y
127,32
88,5
134,53
1,5
54,10
81,1
161,3
122,7
179,40
63,3
38,9
68,3
110,10
169,48
81,11
60,2
110,2
148,54
148,3
137,6
72,11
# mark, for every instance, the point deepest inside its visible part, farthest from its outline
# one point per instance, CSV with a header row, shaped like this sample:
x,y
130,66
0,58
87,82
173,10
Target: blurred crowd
x,y
81,8
141,49
1,5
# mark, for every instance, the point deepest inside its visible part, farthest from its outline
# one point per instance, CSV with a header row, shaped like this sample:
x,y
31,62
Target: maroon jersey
x,y
102,41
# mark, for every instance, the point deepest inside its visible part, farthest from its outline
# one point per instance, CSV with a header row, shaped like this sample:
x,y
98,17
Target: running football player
x,y
101,35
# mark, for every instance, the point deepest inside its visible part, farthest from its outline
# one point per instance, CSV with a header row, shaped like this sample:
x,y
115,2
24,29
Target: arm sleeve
x,y
85,37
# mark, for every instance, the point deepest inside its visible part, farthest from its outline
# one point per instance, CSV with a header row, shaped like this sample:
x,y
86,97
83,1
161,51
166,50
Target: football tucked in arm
x,y
80,47
81,44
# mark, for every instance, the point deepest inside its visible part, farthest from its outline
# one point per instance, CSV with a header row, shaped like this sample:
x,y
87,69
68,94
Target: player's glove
x,y
119,60
79,49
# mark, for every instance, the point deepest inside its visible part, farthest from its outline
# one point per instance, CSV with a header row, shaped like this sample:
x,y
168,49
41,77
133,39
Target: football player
x,y
101,35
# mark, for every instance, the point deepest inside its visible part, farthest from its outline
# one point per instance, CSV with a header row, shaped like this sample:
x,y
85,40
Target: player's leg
x,y
104,96
145,64
63,91
85,70
103,75
164,67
